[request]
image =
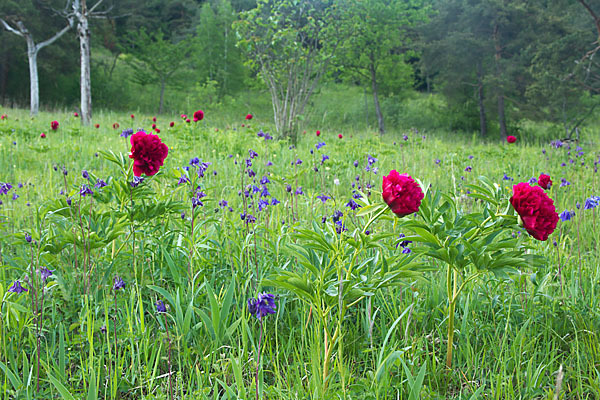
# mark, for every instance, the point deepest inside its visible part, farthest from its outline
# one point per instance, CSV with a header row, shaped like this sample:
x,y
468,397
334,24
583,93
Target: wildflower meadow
x,y
185,257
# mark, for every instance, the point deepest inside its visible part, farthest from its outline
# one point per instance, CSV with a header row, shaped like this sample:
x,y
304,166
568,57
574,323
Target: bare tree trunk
x,y
32,52
376,99
501,111
34,87
83,32
480,99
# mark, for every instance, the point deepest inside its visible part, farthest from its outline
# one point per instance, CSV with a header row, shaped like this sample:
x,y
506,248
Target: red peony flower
x,y
54,125
511,139
545,182
157,130
172,124
3,116
198,115
116,125
153,126
43,135
183,116
536,210
318,133
243,125
401,193
153,119
132,116
340,136
249,117
188,120
148,153
75,114
97,125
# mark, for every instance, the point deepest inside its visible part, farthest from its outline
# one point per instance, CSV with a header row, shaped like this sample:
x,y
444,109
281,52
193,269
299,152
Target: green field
x,y
522,330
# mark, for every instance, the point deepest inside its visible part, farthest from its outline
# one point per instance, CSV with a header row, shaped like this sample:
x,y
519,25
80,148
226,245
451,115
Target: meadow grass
x,y
514,332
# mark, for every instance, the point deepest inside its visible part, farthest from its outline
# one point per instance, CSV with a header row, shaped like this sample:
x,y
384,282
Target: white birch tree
x,y
17,26
82,14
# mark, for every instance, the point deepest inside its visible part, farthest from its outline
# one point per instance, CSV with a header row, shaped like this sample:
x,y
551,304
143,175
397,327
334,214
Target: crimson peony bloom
x,y
183,116
401,193
116,125
249,117
153,119
43,135
188,120
198,115
97,125
536,210
544,181
75,114
157,130
511,139
243,125
3,116
340,136
148,153
54,125
132,116
172,124
318,133
153,126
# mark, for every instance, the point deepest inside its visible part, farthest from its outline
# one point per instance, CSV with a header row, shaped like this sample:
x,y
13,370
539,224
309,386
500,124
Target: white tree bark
x,y
32,53
83,33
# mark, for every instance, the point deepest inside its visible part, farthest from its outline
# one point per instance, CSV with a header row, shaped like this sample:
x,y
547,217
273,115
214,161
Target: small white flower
x,y
336,181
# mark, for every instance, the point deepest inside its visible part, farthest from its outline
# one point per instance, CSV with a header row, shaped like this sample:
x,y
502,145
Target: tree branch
x,y
593,14
56,36
10,28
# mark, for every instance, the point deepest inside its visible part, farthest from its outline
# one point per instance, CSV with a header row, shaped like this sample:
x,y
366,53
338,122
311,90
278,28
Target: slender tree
x,y
155,59
291,44
82,14
16,24
377,33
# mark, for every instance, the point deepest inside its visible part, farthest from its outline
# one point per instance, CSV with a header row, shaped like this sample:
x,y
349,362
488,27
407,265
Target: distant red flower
x,y
243,125
43,135
340,136
318,133
97,125
132,116
216,129
401,193
188,120
54,125
249,117
75,114
153,119
172,124
511,139
544,181
153,126
148,153
183,116
157,130
198,115
3,116
536,210
116,125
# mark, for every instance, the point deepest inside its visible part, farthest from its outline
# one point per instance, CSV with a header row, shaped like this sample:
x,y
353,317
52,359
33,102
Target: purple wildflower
x,y
17,288
118,284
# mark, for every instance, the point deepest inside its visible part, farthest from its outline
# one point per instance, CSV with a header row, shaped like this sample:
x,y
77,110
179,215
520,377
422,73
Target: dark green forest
x,y
478,65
